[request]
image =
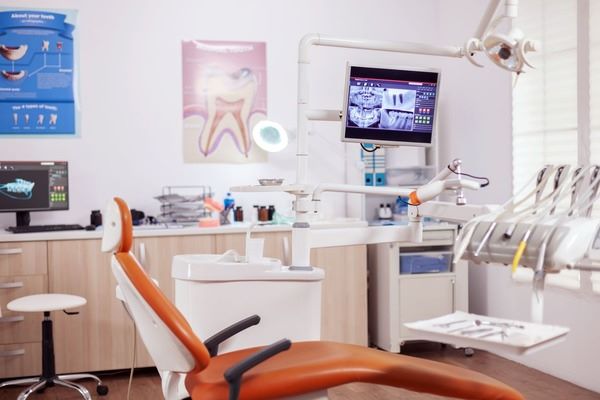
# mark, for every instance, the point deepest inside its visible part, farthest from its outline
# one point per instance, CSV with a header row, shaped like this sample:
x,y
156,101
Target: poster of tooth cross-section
x,y
37,94
224,96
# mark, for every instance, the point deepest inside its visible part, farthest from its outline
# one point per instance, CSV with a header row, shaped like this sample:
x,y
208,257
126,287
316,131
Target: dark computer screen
x,y
390,106
34,186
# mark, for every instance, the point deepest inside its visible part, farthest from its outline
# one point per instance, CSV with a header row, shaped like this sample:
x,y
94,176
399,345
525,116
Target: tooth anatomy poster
x,y
37,94
224,96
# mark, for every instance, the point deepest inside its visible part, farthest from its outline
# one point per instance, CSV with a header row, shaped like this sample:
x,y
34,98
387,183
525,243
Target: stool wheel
x,y
102,390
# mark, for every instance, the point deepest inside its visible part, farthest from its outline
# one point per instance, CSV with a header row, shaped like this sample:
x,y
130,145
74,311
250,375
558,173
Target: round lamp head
x,y
270,136
503,49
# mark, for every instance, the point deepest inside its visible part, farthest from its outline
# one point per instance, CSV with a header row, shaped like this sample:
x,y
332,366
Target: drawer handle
x,y
11,285
14,318
12,353
8,252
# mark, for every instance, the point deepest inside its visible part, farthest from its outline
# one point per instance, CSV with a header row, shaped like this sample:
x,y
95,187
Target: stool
x,y
46,303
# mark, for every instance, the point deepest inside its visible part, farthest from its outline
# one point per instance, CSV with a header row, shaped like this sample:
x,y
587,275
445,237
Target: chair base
x,y
40,383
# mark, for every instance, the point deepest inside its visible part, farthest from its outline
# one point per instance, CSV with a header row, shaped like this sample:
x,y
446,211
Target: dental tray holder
x,y
518,341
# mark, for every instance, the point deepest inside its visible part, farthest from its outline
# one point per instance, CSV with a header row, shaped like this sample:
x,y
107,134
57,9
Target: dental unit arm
x,y
307,195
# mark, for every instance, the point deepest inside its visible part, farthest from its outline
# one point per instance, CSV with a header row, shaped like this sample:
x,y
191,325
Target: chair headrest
x,y
118,229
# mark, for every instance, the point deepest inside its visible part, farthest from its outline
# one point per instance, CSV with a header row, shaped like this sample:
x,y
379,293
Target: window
x,y
556,108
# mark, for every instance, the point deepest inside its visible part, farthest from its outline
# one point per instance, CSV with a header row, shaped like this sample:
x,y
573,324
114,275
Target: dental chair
x,y
280,370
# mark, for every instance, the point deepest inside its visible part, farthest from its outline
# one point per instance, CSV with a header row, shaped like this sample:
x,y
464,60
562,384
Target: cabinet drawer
x,y
18,360
23,258
18,327
445,237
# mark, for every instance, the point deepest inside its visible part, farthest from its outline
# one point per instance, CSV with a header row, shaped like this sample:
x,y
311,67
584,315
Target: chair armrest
x,y
213,342
233,375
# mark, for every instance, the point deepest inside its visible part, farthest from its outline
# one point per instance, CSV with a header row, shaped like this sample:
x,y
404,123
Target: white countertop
x,y
158,230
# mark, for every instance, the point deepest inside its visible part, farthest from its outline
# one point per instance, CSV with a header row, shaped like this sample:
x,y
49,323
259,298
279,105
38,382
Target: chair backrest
x,y
165,332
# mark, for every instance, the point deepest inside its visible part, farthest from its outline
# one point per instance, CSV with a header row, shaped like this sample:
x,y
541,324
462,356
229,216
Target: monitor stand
x,y
23,218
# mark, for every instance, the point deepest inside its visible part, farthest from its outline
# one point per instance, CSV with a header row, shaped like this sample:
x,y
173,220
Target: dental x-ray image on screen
x,y
365,106
390,106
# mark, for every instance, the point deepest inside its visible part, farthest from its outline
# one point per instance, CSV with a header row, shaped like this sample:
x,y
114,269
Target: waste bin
x,y
214,291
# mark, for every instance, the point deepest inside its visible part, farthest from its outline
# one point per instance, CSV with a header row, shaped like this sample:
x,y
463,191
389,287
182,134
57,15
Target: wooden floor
x,y
533,384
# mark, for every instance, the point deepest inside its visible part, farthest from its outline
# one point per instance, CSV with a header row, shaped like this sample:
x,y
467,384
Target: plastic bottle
x,y
229,201
381,212
388,211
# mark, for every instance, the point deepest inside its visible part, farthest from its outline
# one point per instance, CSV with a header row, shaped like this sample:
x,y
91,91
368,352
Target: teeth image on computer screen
x,y
13,75
40,119
53,119
391,119
20,189
13,53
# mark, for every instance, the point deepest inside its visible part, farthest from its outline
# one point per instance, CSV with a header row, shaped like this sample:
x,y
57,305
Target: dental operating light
x,y
508,49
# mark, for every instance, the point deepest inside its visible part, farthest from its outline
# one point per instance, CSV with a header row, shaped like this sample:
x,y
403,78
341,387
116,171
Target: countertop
x,y
161,230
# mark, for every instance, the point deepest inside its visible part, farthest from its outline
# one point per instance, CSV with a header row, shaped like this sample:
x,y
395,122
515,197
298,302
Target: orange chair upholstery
x,y
307,366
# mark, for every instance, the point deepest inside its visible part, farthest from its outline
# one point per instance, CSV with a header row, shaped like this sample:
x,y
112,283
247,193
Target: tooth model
x,y
13,75
229,100
13,53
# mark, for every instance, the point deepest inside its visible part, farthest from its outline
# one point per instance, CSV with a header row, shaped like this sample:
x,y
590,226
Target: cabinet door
x,y
100,337
156,256
344,296
424,297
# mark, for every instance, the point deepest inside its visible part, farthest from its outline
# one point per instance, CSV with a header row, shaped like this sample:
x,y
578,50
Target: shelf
x,y
425,276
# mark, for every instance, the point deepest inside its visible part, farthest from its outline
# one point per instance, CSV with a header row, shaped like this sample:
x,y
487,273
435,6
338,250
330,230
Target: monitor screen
x,y
34,186
390,106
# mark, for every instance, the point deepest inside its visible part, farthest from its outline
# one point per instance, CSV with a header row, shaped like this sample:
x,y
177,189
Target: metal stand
x,y
49,377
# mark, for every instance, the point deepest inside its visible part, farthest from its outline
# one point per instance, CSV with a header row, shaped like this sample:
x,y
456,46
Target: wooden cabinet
x,y
396,298
100,337
102,334
156,255
344,297
23,271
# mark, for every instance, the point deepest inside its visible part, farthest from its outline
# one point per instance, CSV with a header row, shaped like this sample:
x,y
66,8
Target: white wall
x,y
130,72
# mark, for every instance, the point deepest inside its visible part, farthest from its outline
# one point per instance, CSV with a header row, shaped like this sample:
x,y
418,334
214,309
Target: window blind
x,y
545,99
545,102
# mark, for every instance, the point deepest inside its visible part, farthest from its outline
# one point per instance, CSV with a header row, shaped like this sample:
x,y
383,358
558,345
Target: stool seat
x,y
46,302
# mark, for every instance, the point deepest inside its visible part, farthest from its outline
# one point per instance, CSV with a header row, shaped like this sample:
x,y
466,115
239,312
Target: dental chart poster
x,y
224,96
37,95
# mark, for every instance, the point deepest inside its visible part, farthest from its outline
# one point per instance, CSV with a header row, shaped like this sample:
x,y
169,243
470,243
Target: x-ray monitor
x,y
33,186
390,106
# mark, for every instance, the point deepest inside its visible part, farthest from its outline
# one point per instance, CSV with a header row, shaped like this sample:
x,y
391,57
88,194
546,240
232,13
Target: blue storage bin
x,y
425,263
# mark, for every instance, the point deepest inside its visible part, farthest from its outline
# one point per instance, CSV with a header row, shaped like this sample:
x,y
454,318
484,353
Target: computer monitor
x,y
390,106
33,186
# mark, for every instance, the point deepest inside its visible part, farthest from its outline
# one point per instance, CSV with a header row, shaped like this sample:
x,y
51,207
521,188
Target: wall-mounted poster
x,y
37,95
224,96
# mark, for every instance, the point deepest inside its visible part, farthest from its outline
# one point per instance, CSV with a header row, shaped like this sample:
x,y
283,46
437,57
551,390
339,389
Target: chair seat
x,y
46,302
313,366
